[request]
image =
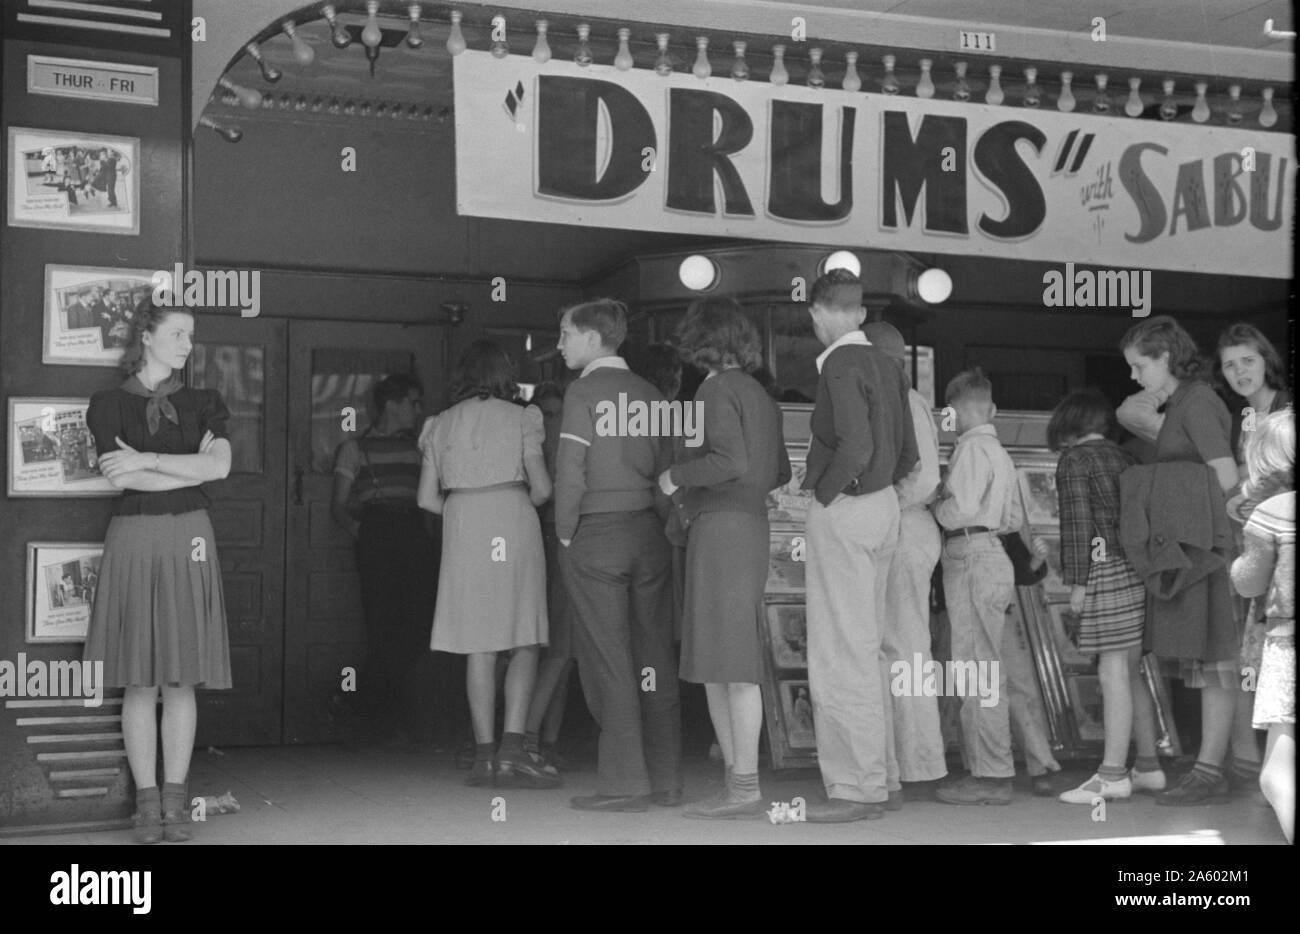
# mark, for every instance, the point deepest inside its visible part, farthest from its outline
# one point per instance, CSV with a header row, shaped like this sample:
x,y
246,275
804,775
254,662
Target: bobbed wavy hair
x,y
717,333
146,321
484,371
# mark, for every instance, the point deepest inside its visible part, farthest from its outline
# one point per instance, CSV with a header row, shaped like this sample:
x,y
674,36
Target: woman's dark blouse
x,y
1237,406
117,413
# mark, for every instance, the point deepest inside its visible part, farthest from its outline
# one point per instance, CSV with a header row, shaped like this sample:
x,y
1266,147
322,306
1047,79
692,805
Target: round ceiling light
x,y
934,286
842,259
698,273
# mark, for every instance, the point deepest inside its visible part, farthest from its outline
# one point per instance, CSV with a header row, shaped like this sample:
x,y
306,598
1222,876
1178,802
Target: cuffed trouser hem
x,y
854,793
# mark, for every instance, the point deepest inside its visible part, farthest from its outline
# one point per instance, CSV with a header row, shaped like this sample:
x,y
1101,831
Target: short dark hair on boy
x,y
393,388
1162,333
606,316
969,384
1082,412
484,371
838,290
716,332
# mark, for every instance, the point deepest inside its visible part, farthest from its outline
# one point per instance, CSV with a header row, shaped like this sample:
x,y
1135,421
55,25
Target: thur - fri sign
x,y
105,81
636,150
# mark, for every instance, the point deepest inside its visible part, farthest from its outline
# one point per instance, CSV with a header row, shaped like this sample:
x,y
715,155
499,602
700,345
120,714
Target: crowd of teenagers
x,y
644,559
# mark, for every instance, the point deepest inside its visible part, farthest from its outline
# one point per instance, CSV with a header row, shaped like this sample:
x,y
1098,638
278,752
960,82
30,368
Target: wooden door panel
x,y
244,359
333,367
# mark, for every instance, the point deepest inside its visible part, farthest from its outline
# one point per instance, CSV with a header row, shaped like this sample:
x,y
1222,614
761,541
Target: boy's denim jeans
x,y
978,586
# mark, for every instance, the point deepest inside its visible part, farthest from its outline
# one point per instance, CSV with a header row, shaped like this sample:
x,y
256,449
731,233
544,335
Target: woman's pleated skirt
x,y
159,617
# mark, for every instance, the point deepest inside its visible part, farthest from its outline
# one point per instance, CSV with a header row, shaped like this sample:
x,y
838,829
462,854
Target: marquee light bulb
x,y
269,72
1101,103
664,61
1065,102
816,77
1134,106
455,38
542,48
1234,108
994,95
339,34
925,86
1201,110
1033,97
961,91
623,61
1267,115
1168,106
372,35
583,56
231,134
302,52
779,75
852,80
413,37
248,97
889,83
702,69
739,70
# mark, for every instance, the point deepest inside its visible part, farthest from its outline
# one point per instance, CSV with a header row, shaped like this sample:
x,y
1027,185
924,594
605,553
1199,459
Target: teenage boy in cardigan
x,y
979,501
863,443
617,566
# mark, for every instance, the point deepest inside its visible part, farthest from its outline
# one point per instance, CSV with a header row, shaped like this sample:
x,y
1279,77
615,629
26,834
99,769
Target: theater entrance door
x,y
296,389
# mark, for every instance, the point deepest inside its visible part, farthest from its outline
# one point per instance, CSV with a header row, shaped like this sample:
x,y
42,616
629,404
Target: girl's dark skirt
x,y
159,616
726,572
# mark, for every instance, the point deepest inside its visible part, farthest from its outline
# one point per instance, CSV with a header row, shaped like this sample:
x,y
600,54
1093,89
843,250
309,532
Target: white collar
x,y
988,428
613,362
856,336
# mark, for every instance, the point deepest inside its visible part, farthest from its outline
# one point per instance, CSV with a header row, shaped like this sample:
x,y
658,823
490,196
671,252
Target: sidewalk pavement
x,y
338,794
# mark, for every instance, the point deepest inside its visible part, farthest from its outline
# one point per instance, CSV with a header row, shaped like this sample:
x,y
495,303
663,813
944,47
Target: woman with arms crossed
x,y
159,619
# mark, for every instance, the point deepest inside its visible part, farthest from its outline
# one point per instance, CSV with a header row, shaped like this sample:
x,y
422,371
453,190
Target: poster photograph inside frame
x,y
74,181
51,450
61,581
89,311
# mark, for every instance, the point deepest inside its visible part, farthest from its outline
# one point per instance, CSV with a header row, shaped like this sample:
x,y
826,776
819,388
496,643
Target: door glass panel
x,y
236,371
794,348
342,381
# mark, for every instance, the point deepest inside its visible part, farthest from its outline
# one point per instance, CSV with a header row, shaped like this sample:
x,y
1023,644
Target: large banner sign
x,y
632,149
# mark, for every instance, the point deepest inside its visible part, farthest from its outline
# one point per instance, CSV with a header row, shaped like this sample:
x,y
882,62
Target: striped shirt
x,y
1087,487
384,469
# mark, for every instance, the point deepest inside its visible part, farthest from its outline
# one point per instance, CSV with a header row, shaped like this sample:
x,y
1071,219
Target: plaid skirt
x,y
1114,608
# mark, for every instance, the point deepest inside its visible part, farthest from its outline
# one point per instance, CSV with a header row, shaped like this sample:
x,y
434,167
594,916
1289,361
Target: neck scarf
x,y
159,405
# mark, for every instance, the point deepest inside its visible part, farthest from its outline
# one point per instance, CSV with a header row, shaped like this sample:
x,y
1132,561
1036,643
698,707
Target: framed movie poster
x,y
88,313
1038,491
787,627
51,451
796,705
74,181
787,553
61,581
787,506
